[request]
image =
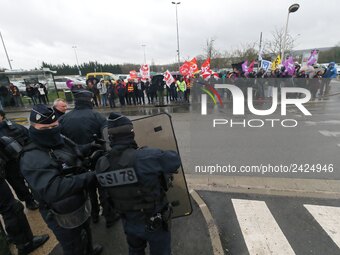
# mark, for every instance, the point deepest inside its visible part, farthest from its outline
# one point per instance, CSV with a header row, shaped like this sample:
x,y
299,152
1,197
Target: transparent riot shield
x,y
157,131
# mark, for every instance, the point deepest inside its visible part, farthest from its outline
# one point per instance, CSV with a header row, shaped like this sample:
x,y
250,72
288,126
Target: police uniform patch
x,y
37,117
117,177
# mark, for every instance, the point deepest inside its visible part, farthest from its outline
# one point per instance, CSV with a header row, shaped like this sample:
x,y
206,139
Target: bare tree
x,y
276,44
209,50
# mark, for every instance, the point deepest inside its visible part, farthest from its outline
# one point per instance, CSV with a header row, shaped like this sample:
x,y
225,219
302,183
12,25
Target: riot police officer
x,y
16,224
53,166
80,125
136,180
12,168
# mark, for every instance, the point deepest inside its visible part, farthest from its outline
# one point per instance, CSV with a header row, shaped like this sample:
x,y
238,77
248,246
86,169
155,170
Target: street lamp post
x,y
179,61
291,9
143,45
75,53
3,43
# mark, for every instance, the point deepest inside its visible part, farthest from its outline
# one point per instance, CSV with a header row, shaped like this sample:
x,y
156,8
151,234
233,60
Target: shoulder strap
x,y
121,160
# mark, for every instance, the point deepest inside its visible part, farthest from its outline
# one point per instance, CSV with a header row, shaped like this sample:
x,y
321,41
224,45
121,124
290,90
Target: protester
x,y
16,95
59,107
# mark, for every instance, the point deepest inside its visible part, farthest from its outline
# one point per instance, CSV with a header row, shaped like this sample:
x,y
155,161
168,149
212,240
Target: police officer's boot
x,y
36,242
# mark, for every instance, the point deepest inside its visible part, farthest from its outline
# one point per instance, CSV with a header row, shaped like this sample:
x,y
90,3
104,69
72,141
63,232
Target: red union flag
x,y
205,68
206,75
193,67
145,72
168,78
185,68
216,76
251,67
133,74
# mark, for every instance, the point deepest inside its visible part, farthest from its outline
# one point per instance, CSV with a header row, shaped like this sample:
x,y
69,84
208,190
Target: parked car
x,y
124,77
78,80
102,75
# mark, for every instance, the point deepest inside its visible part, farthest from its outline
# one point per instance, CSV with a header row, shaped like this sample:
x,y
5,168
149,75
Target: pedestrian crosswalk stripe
x,y
329,219
261,233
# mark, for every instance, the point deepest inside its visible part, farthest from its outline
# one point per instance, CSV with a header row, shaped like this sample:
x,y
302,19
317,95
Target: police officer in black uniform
x,y
80,125
53,166
12,168
12,210
137,180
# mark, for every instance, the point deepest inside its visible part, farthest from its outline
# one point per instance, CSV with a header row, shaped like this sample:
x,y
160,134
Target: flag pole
x,y
258,61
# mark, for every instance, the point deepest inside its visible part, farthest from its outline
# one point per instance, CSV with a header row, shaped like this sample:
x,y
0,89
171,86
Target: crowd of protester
x,y
138,92
11,96
155,92
314,78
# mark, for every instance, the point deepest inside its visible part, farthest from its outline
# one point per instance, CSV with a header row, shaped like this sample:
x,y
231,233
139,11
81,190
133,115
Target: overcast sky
x,y
113,31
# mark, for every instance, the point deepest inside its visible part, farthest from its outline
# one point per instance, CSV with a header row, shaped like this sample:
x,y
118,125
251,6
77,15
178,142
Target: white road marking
x,y
329,133
260,231
329,219
325,122
211,225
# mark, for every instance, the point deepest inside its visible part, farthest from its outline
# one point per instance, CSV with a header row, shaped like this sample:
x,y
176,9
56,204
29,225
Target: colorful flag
x,y
206,75
276,63
145,72
245,66
133,74
205,66
168,78
313,58
193,67
216,76
185,69
265,64
251,66
289,65
205,69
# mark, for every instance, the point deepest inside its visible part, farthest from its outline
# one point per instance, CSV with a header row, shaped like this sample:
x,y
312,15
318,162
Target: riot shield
x,y
157,131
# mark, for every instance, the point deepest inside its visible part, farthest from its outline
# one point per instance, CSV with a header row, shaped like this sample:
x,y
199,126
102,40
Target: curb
x,y
211,225
312,188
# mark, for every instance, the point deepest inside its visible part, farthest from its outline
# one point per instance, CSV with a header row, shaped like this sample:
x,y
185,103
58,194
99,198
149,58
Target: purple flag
x,y
312,59
245,66
289,65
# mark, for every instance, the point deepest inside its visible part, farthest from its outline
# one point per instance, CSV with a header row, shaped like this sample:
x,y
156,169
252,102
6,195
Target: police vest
x,y
11,130
116,173
75,209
